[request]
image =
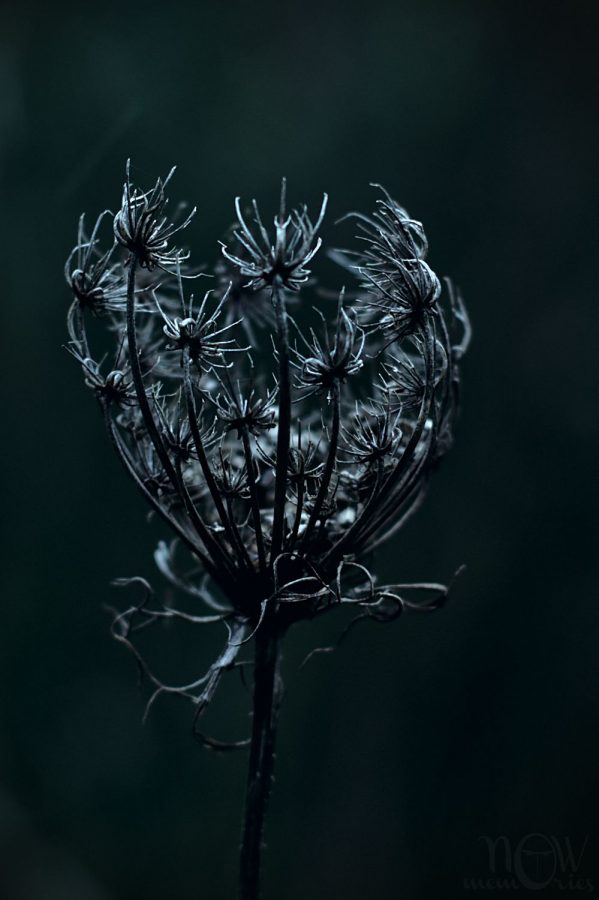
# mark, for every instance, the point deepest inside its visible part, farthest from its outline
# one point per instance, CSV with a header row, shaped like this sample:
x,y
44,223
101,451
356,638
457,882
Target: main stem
x,y
266,690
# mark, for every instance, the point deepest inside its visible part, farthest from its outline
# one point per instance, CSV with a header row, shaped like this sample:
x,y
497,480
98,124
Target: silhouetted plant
x,y
281,467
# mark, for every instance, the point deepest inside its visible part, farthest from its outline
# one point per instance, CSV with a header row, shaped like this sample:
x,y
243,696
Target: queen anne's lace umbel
x,y
281,435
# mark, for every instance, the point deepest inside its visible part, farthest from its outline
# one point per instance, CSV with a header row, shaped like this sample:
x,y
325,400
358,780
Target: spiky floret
x,y
142,226
283,256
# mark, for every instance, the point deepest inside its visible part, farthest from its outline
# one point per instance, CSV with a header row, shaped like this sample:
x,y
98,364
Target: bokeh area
x,y
402,750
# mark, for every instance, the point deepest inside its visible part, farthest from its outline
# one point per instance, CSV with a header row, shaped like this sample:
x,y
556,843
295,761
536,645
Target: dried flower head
x,y
276,493
335,359
142,227
245,412
283,257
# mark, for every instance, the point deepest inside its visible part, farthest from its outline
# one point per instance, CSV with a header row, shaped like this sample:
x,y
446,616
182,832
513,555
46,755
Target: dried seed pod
x,y
276,493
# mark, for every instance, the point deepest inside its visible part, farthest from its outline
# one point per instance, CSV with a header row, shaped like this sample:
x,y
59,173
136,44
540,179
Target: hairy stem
x,y
284,422
260,768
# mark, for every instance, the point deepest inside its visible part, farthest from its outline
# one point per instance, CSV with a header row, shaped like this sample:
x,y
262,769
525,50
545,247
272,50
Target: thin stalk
x,y
329,465
78,333
298,513
138,381
415,501
220,556
260,768
395,499
336,551
241,548
284,423
203,459
129,465
405,473
255,504
210,543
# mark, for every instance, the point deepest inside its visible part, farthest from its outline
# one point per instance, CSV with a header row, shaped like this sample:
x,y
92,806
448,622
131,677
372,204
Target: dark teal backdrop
x,y
399,751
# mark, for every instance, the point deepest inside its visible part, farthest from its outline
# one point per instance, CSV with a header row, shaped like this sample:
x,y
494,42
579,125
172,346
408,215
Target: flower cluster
x,y
284,260
279,465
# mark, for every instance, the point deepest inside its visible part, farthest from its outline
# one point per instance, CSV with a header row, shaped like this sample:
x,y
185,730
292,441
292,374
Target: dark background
x,y
399,751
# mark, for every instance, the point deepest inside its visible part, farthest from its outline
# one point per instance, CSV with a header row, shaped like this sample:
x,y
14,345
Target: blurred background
x,y
399,751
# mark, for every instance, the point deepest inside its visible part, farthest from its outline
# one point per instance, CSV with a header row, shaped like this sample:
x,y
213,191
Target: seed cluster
x,y
281,435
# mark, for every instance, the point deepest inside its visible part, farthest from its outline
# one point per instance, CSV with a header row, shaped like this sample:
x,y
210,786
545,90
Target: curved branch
x,y
129,465
387,485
